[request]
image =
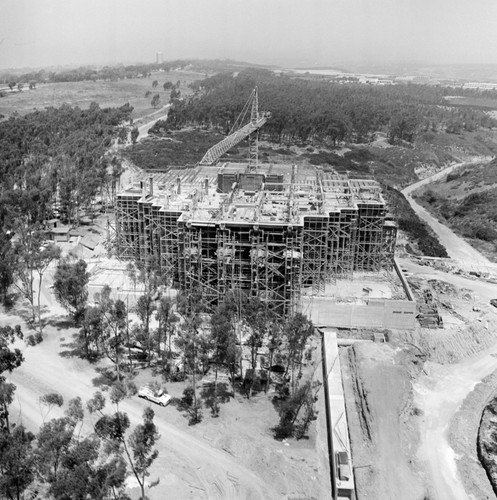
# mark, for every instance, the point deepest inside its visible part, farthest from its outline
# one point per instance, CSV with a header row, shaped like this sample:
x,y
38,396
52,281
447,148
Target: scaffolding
x,y
275,233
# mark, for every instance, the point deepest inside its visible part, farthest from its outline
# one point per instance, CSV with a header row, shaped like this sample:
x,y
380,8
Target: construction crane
x,y
238,133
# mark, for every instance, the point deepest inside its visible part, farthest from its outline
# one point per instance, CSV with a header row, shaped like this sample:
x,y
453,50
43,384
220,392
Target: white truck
x,y
158,397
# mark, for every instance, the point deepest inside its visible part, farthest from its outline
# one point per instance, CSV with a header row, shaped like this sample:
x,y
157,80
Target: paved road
x,y
457,248
158,115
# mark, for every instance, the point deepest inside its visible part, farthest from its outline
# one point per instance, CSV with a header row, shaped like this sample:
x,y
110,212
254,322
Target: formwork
x,y
274,233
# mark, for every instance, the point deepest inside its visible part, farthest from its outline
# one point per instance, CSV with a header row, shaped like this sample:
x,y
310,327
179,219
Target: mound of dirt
x,y
452,345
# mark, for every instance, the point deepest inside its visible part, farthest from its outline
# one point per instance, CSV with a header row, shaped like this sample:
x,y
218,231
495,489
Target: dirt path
x,y
439,396
188,466
456,247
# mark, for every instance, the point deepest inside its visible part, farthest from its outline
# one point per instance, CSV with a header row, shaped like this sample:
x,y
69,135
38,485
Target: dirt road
x,y
188,467
456,247
439,395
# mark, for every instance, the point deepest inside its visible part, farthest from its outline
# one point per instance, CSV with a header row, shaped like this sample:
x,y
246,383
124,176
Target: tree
x,y
154,84
167,319
53,442
167,85
300,404
297,331
114,322
9,360
122,135
17,462
75,468
145,306
259,318
155,100
190,307
32,255
404,124
50,400
224,339
6,265
11,85
142,441
84,476
175,94
134,134
91,333
138,449
71,287
20,86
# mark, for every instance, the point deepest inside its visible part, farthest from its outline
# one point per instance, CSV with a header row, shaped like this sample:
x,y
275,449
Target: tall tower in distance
x,y
159,58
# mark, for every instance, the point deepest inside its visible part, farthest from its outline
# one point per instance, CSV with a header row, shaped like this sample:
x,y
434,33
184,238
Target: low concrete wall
x,y
374,313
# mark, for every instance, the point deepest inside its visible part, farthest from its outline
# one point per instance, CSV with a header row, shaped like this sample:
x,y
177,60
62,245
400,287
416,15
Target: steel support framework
x,y
273,258
128,225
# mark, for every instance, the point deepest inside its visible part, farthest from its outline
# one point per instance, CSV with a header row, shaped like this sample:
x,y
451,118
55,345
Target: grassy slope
x,y
105,93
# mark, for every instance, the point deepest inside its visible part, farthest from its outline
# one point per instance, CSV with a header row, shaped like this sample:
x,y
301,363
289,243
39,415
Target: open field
x,y
105,93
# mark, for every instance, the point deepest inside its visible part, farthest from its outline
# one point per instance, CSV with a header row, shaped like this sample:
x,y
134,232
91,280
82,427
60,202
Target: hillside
x,y
465,201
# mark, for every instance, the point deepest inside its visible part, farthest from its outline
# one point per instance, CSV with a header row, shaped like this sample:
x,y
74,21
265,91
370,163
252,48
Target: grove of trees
x,y
322,113
56,156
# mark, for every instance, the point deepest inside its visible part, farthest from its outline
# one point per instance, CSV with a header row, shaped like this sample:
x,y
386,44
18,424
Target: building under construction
x,y
274,231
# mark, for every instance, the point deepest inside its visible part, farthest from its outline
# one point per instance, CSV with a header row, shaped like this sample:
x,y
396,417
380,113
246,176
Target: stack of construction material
x,y
428,315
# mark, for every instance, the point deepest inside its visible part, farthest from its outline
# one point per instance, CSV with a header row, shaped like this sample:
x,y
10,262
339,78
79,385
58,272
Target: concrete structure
x,y
275,231
342,474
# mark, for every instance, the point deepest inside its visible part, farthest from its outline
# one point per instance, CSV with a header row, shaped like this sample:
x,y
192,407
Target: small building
x,y
56,231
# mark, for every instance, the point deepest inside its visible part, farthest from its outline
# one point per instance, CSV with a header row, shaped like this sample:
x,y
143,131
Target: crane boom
x,y
250,130
214,153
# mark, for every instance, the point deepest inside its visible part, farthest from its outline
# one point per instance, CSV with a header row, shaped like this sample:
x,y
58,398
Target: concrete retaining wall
x,y
374,313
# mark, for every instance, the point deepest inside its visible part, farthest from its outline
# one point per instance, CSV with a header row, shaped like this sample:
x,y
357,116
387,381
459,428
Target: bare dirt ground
x,y
414,404
378,391
232,456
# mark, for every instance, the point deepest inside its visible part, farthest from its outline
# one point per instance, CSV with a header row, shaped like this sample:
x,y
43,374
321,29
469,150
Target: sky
x,y
286,33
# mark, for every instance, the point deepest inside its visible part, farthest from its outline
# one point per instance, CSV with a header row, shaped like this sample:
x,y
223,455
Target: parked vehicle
x,y
158,397
494,302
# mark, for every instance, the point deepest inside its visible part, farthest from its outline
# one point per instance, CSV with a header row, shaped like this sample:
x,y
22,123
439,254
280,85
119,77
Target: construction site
x,y
276,232
279,232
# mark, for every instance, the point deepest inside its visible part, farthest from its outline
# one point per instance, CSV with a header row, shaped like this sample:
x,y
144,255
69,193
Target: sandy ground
x,y
230,457
414,417
439,395
233,456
